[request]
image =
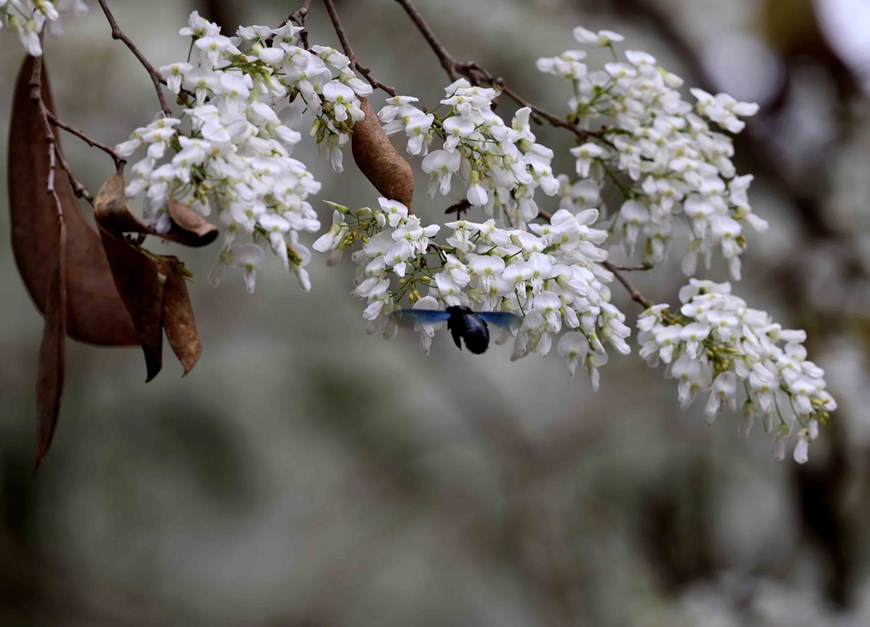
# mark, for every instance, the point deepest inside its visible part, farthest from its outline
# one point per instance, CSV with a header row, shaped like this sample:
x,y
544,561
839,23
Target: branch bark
x,y
156,78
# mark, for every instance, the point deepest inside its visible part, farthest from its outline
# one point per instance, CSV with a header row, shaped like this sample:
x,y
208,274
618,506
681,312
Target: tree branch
x,y
118,159
298,17
448,62
55,154
472,69
156,78
476,73
636,296
354,61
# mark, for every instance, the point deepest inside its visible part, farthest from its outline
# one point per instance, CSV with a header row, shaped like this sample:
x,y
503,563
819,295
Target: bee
x,y
463,323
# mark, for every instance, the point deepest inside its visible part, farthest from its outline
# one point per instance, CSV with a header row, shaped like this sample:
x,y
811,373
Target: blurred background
x,y
307,474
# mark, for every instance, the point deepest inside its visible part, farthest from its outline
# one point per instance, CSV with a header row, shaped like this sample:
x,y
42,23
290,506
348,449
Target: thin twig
x,y
543,214
348,51
297,17
156,78
641,268
472,69
366,73
55,154
118,159
448,62
617,271
552,118
49,185
636,296
477,74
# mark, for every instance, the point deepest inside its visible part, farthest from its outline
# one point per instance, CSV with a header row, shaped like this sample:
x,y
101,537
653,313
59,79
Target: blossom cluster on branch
x,y
501,166
650,168
660,152
718,345
550,277
230,149
672,168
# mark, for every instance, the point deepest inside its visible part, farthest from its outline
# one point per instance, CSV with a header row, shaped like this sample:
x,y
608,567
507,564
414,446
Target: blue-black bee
x,y
463,323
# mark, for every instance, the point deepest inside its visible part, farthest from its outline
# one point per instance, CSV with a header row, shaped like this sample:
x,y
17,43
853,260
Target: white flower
x,y
575,347
426,329
584,156
396,212
602,38
441,165
249,257
28,18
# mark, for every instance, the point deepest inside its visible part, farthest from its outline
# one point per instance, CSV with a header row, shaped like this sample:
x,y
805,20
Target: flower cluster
x,y
500,166
659,151
230,149
229,152
551,277
29,17
637,137
717,345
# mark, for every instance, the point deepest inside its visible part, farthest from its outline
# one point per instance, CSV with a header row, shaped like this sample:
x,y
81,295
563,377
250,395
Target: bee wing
x,y
423,316
498,318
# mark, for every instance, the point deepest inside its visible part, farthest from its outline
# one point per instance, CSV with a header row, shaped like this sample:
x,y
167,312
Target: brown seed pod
x,y
379,160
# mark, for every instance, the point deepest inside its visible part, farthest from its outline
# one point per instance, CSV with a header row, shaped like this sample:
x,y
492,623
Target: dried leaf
x,y
113,213
49,380
141,289
95,312
153,303
379,160
189,227
178,319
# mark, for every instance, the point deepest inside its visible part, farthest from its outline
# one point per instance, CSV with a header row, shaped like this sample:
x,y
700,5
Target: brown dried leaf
x,y
95,312
189,227
49,379
379,160
178,319
138,282
112,212
155,304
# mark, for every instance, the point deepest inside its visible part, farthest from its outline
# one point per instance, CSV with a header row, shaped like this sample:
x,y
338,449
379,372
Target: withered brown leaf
x,y
178,319
113,213
189,227
152,286
141,289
